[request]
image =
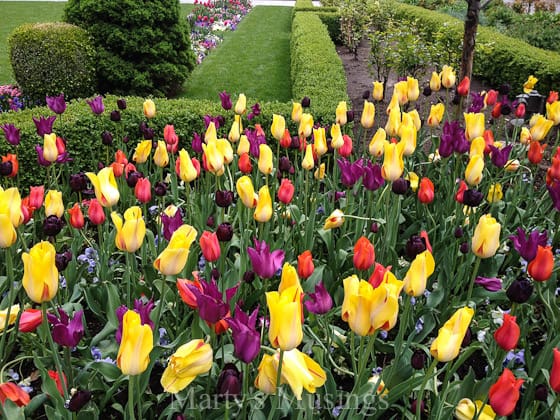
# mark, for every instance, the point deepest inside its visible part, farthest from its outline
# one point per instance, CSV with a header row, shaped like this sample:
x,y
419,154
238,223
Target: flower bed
x,y
209,20
288,269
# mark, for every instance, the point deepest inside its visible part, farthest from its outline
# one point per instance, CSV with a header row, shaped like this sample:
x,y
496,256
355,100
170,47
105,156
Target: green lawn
x,y
15,13
254,59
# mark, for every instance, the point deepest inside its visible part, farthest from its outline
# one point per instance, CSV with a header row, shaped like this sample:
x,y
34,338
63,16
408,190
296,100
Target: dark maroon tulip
x,y
67,332
79,400
306,102
224,198
78,182
115,116
229,382
414,246
62,259
52,225
400,186
520,290
107,138
418,359
472,197
160,189
224,232
246,339
121,103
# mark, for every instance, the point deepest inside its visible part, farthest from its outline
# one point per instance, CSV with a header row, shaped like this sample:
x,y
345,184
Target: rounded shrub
x,y
144,46
50,58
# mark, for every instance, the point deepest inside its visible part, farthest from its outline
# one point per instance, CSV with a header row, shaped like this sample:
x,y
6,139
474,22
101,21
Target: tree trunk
x,y
469,38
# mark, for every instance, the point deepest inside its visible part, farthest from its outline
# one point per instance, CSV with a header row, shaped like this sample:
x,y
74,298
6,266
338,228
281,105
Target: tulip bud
x,y
418,360
115,116
249,276
121,103
306,102
107,138
464,248
541,392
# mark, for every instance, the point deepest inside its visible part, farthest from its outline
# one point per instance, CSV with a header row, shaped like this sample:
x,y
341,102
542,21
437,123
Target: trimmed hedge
x,y
498,59
50,58
316,68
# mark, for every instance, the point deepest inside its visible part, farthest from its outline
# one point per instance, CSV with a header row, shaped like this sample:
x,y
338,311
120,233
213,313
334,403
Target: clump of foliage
x,y
144,47
355,21
50,58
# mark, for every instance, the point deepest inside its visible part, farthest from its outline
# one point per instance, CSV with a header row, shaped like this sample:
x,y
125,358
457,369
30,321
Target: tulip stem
x,y
11,288
276,400
245,390
131,397
68,361
45,323
420,396
473,277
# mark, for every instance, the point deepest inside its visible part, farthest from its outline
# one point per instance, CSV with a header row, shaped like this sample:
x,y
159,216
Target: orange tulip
x,y
364,254
76,216
305,266
541,267
426,191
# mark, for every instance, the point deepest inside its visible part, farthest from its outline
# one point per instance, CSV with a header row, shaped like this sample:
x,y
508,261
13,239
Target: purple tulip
x,y
453,139
265,263
492,284
96,105
40,157
256,138
350,173
56,104
171,223
67,332
141,308
527,246
554,192
226,100
210,302
477,102
229,382
196,143
372,178
255,111
319,302
246,339
500,156
44,125
11,133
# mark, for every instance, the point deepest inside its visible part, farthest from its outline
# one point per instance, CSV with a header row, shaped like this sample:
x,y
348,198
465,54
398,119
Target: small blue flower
x,y
96,353
419,325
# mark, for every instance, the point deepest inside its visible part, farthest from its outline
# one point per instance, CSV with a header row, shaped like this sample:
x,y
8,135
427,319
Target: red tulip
x,y
27,210
507,335
210,246
491,97
520,110
555,372
459,194
286,140
36,196
378,274
364,254
12,392
305,266
541,267
488,137
426,191
95,212
54,376
286,191
497,110
244,163
346,149
424,235
503,395
143,190
76,217
535,153
171,138
464,86
552,97
30,319
186,294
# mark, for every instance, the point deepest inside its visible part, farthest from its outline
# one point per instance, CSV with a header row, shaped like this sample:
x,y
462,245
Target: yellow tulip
x,y
137,342
320,172
50,151
512,165
236,129
368,115
149,108
413,178
298,370
477,147
385,305
448,77
336,134
214,158
14,311
241,104
377,143
393,104
529,85
305,125
336,219
40,275
172,259
244,146
540,127
436,115
417,275
285,309
341,117
467,410
495,193
297,112
400,90
210,133
357,305
320,141
435,82
447,344
187,171
142,151
53,203
393,163
130,234
161,158
474,125
553,112
10,205
190,360
393,122
413,89
473,172
263,211
289,278
8,234
278,127
308,161
377,91
265,163
415,119
486,238
525,136
408,137
224,147
105,186
246,191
